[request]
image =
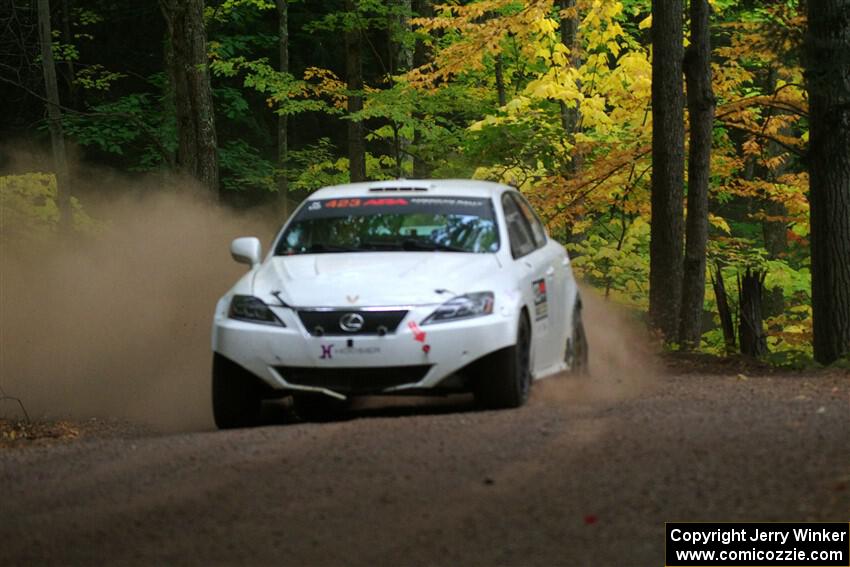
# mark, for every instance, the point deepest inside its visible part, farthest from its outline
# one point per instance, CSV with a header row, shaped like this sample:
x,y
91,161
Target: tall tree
x,y
828,78
701,104
422,55
197,148
54,115
354,76
282,119
400,60
570,116
668,158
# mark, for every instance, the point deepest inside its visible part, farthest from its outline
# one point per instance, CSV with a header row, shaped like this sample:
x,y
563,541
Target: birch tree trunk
x,y
54,117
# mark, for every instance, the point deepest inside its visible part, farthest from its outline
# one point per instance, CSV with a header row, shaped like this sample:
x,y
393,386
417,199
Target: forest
x,y
693,157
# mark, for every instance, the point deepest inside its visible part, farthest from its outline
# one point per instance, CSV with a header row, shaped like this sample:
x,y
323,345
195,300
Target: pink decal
x,y
418,333
426,348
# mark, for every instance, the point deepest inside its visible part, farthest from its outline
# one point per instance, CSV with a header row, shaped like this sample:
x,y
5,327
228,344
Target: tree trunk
x,y
401,60
751,324
775,233
500,82
828,76
54,117
197,148
401,55
723,311
421,55
668,134
354,73
570,117
282,120
701,110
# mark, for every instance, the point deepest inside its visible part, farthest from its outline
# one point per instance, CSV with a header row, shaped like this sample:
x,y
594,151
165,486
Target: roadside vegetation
x,y
693,157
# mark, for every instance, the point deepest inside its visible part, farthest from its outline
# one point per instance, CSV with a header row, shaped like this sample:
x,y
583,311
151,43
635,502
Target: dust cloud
x,y
623,363
118,325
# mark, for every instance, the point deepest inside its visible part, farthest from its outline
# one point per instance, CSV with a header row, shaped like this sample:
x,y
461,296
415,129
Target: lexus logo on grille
x,y
351,322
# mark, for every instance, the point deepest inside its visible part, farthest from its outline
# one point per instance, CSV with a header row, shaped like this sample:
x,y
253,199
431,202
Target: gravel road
x,y
586,474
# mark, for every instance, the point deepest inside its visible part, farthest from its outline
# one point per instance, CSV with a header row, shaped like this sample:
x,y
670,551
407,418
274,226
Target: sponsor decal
x,y
332,208
355,203
418,333
541,303
449,201
328,351
386,202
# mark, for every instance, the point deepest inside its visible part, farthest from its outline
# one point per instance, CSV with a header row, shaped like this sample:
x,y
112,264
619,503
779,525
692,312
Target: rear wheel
x,y
236,395
504,378
576,352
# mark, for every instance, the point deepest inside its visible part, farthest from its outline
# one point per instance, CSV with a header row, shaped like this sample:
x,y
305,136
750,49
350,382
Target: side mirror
x,y
246,250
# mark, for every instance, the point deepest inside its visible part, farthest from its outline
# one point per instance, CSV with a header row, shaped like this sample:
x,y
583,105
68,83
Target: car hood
x,y
364,279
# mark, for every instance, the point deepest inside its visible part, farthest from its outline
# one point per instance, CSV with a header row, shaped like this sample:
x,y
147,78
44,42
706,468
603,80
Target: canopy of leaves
x,y
573,133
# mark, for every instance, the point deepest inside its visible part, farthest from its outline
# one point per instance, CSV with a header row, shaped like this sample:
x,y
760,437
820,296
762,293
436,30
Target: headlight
x,y
462,307
250,308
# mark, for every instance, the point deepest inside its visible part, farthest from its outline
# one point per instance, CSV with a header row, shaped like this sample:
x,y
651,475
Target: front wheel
x,y
504,378
236,396
576,354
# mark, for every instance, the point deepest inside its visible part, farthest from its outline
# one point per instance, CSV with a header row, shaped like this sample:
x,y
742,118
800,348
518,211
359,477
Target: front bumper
x,y
272,352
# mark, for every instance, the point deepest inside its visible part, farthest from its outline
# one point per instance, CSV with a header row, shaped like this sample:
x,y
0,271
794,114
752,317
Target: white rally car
x,y
395,287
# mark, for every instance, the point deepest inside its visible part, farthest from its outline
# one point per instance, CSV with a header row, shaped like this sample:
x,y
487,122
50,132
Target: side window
x,y
532,219
522,240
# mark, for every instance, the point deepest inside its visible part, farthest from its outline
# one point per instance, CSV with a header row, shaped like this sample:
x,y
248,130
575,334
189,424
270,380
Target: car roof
x,y
421,187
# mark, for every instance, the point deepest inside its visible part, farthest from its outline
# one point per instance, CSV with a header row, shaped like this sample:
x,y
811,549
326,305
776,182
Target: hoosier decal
x,y
541,304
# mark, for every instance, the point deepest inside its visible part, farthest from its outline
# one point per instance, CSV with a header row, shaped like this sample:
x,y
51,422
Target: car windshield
x,y
374,224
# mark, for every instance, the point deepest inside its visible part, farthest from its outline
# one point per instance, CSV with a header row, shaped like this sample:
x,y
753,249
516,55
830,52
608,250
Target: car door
x,y
553,257
536,278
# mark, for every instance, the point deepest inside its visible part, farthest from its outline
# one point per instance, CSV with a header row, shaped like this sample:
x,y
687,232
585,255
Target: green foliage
x,y
134,125
244,168
614,257
316,166
237,10
574,133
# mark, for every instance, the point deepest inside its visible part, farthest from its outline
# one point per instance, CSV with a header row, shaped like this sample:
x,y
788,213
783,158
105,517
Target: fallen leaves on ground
x,y
19,433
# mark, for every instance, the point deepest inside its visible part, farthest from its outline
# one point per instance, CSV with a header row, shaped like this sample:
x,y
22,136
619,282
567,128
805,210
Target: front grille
x,y
354,380
320,323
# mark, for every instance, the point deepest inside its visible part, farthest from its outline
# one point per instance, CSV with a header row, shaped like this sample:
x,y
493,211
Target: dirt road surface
x,y
585,474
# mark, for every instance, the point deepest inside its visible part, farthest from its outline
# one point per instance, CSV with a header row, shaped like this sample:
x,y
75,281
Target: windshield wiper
x,y
319,248
430,246
379,245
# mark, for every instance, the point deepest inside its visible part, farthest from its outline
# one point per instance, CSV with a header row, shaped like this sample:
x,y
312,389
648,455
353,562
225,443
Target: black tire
x,y
236,395
318,407
503,378
576,354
